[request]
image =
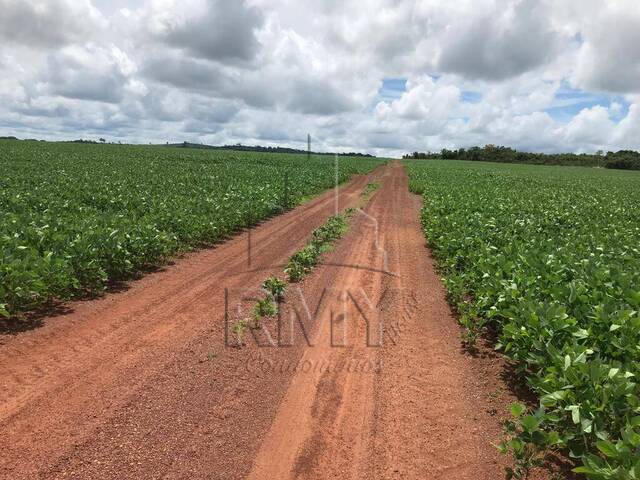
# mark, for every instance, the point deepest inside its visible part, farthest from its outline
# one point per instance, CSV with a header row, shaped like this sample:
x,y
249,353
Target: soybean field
x,y
75,217
549,258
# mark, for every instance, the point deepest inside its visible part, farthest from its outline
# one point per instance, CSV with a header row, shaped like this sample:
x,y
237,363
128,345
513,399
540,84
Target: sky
x,y
380,76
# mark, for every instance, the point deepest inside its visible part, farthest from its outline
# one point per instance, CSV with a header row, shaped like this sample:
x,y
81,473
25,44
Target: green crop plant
x,y
295,271
76,217
322,239
334,228
526,441
548,258
264,308
369,190
275,287
239,328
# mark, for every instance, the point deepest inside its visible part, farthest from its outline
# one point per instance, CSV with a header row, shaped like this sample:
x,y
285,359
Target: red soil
x,y
140,384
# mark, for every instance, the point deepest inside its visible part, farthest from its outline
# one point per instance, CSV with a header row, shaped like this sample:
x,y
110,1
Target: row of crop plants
x,y
549,258
74,218
300,264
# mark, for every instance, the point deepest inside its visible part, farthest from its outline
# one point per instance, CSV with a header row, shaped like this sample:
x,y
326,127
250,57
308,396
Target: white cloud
x,y
208,29
426,102
592,126
505,40
91,72
626,133
609,59
48,23
269,71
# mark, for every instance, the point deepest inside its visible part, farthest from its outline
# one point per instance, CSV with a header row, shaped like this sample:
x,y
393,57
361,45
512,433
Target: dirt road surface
x,y
366,380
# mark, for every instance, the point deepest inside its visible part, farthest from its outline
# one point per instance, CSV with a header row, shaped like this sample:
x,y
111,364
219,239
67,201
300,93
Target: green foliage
x,y
549,258
275,287
526,441
303,261
370,189
75,217
239,328
622,160
295,271
334,228
264,308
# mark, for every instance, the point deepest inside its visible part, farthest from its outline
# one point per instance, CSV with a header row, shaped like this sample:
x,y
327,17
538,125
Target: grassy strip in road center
x,y
300,265
323,238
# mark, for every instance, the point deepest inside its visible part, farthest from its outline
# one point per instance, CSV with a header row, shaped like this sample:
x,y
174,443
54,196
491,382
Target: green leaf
x,y
575,413
581,334
530,423
586,425
584,470
517,409
607,448
549,260
552,398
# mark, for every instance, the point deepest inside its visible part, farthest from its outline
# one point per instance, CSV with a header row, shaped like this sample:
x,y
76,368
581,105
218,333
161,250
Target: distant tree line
x,y
258,148
623,159
238,147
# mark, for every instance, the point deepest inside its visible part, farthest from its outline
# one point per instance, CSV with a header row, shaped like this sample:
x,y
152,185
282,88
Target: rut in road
x,y
408,409
118,387
140,384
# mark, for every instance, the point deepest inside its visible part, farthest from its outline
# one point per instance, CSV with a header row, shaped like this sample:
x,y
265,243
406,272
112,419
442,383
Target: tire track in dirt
x,y
299,439
69,384
419,411
140,384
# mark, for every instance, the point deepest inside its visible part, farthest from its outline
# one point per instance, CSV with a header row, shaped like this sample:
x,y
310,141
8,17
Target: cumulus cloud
x,y
184,73
47,23
89,73
315,96
626,132
431,104
592,126
294,74
507,40
534,74
210,29
610,56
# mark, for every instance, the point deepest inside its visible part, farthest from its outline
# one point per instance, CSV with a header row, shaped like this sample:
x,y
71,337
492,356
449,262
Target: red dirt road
x,y
140,384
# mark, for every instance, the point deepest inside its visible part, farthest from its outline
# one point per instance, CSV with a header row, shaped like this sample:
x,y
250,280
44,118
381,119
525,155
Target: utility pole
x,y
308,146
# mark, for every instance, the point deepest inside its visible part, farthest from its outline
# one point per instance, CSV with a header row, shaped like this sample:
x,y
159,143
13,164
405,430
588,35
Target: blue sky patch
x,y
471,97
569,102
392,89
